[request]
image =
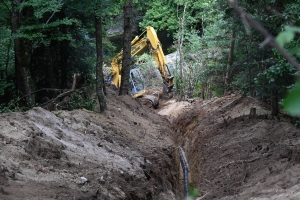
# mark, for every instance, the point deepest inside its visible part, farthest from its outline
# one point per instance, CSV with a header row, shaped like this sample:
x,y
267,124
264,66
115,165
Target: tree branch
x,y
268,37
50,17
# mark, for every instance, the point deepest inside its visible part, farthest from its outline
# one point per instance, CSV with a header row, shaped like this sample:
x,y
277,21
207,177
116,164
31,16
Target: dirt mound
x,y
130,152
126,153
233,155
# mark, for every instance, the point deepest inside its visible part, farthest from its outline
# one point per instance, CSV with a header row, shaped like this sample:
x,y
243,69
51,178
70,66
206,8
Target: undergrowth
x,y
81,100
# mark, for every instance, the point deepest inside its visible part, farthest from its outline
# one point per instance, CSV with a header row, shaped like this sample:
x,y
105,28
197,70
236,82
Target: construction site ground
x,y
131,151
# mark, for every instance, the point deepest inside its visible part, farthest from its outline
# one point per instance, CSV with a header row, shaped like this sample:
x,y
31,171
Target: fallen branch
x,y
59,96
269,39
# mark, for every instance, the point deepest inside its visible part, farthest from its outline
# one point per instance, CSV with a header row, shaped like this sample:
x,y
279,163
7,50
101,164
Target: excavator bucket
x,y
166,93
149,100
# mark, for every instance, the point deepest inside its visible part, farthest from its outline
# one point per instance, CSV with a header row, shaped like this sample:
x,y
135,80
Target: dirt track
x,y
130,152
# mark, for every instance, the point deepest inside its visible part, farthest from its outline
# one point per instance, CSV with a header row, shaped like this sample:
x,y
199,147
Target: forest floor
x,y
131,151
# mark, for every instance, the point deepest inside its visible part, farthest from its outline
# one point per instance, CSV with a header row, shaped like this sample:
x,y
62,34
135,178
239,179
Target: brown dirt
x,y
126,153
130,151
234,156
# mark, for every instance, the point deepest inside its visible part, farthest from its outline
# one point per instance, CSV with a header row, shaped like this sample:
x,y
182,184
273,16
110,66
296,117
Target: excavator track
x,y
150,100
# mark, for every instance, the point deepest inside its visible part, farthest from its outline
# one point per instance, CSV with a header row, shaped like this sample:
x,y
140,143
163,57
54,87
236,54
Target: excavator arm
x,y
138,46
154,46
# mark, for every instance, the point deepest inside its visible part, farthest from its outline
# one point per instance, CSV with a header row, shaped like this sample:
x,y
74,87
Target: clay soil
x,y
131,151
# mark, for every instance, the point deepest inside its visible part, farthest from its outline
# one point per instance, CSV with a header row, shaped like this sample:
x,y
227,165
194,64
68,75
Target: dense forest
x,y
45,44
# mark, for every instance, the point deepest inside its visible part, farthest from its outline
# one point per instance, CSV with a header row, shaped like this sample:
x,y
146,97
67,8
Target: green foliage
x,y
286,38
13,106
156,16
203,55
62,27
164,14
10,108
288,35
81,99
6,60
291,102
193,194
278,77
5,14
297,123
43,26
45,33
41,7
292,12
188,76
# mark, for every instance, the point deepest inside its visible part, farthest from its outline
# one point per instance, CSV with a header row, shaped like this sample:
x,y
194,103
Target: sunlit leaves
x,y
285,37
292,102
288,35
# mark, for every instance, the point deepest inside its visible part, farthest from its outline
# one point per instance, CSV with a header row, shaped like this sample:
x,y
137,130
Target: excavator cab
x,y
137,81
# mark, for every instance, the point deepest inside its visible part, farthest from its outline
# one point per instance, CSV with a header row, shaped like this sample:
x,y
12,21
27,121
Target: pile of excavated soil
x,y
234,155
131,152
125,153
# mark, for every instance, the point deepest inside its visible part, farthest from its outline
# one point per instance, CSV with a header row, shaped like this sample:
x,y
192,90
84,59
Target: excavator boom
x,y
138,45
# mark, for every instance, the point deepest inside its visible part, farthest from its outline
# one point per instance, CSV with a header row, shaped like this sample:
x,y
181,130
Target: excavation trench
x,y
233,153
130,152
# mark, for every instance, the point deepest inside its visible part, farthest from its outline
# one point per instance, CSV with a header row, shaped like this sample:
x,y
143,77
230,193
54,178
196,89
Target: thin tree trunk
x,y
230,61
126,62
274,103
23,51
181,57
50,78
64,55
8,57
100,86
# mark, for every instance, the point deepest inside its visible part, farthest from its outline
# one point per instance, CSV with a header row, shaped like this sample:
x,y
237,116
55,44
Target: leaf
x,y
292,102
295,51
285,37
292,29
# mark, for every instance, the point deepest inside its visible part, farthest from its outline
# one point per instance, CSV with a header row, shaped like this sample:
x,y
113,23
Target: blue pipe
x,y
185,173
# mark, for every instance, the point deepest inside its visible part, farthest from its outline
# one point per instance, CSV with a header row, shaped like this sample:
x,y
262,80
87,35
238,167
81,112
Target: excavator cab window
x,y
136,81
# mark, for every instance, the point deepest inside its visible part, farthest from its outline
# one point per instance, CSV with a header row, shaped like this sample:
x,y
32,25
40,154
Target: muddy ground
x,y
131,151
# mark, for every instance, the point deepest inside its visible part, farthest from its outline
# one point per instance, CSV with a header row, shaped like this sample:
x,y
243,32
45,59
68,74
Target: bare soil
x,y
131,151
232,155
126,153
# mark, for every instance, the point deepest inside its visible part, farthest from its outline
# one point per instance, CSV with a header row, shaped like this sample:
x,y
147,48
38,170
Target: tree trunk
x,y
100,86
50,78
23,51
230,61
180,80
274,103
126,62
64,54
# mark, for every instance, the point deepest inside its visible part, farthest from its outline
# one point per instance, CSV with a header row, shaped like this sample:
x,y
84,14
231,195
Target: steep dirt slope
x,y
234,156
126,153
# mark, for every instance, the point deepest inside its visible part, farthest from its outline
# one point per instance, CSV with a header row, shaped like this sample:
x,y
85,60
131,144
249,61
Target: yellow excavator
x,y
137,88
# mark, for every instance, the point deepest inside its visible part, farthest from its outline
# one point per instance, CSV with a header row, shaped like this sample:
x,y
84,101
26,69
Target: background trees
x,y
43,44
